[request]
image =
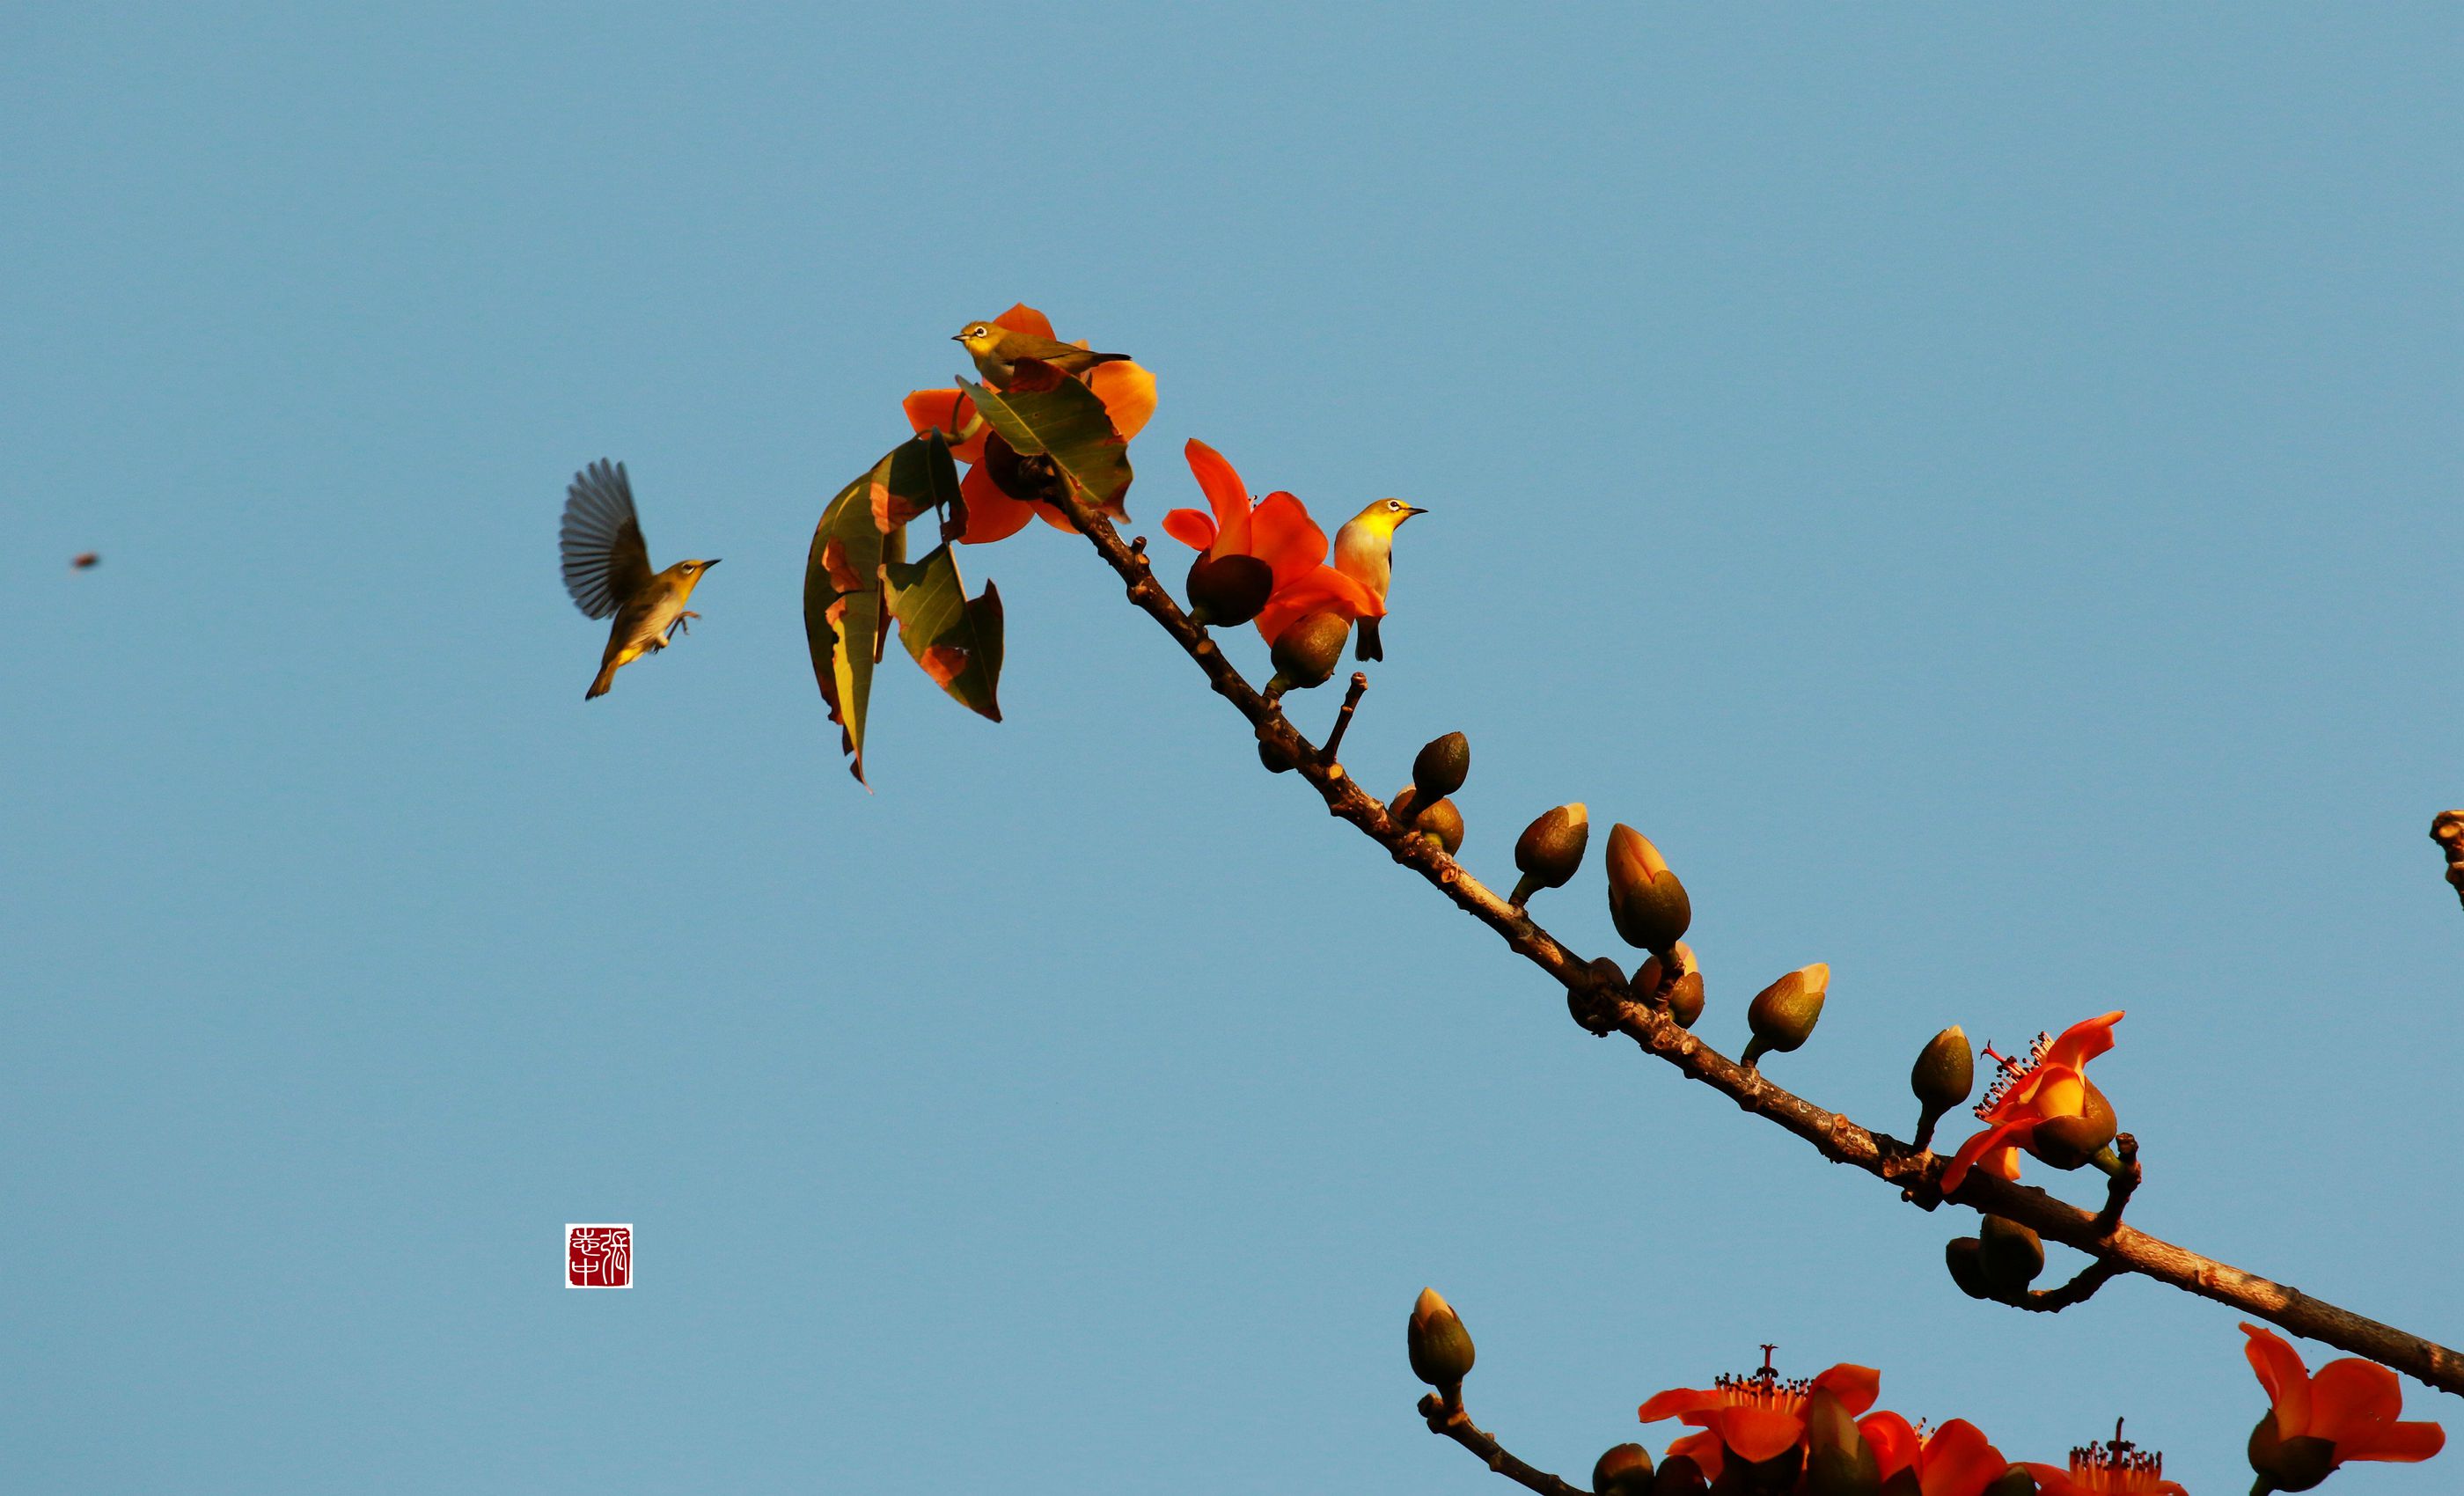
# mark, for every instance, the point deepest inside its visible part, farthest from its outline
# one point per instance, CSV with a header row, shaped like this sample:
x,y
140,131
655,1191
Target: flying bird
x,y
607,570
1364,550
86,562
997,350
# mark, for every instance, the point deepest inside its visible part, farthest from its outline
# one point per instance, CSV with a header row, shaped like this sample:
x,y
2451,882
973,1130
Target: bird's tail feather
x,y
1367,646
607,678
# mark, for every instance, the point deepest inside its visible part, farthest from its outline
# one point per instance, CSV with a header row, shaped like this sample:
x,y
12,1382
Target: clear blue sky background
x,y
1978,487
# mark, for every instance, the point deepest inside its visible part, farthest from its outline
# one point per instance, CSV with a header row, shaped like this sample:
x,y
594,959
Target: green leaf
x,y
842,614
956,640
1070,424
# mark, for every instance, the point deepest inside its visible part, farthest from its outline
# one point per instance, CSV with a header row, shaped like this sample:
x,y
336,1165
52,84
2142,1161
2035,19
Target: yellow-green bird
x,y
1364,550
997,350
607,570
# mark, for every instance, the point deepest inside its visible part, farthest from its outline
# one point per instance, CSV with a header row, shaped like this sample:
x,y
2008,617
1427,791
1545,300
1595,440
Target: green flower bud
x,y
1625,1470
1443,824
1838,1462
2070,1142
1439,768
1549,850
2289,1464
1645,899
1965,1258
2011,1255
1307,651
1684,994
1783,1014
1679,1475
1944,1073
1440,1347
1226,591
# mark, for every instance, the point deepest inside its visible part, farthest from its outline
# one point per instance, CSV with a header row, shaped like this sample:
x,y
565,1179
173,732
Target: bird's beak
x,y
958,337
713,562
1409,510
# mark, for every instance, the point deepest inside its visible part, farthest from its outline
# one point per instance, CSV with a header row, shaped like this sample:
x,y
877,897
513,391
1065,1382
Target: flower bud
x,y
1965,1256
1307,651
2016,1480
1783,1014
1838,1462
1645,899
2071,1141
1440,1347
1944,1073
2289,1464
1625,1470
1549,850
2010,1255
1441,822
1685,999
1272,756
1679,1475
1226,590
1440,768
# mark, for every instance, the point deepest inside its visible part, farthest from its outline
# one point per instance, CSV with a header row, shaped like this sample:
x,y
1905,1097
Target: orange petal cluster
x,y
1954,1460
2052,1084
2350,1403
2106,1471
1128,393
1278,531
1756,1418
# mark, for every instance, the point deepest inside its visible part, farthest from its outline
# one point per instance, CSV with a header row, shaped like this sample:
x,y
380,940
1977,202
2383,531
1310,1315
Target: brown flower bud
x,y
1625,1470
1645,899
1440,768
1226,590
1440,1347
1685,999
1679,1475
1307,651
1965,1256
1945,1071
1549,850
1274,757
1783,1014
2011,1255
2015,1481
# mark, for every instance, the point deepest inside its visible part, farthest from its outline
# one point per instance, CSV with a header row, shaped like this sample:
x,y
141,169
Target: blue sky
x,y
1975,486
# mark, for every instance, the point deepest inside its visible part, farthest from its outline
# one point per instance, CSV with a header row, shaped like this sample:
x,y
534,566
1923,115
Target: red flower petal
x,y
1677,1403
991,513
2404,1443
2352,1398
1703,1449
1226,494
1959,1460
2002,1135
1282,536
1190,528
2082,1041
1854,1386
2286,1379
1129,395
1756,1434
951,410
1024,318
1895,1443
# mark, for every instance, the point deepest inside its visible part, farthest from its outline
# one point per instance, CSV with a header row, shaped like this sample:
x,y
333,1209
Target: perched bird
x,y
607,570
1363,551
997,350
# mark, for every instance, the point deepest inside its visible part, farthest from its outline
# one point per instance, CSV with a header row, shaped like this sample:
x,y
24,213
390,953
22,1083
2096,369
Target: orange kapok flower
x,y
1277,530
2350,1406
2049,1086
2118,1468
1954,1460
1128,393
1755,1417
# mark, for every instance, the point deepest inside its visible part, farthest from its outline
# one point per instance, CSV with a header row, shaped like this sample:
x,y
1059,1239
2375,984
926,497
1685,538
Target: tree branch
x,y
1456,1424
1602,1001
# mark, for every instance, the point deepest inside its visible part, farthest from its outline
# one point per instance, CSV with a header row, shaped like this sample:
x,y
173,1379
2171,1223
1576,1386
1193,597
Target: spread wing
x,y
604,559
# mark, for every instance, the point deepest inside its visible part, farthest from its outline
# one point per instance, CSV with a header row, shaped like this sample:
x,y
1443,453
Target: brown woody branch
x,y
1448,1417
1602,1002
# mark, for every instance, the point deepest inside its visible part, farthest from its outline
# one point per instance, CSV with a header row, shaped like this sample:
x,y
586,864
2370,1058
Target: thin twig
x,y
2119,1189
1603,1001
2079,1291
1343,718
1456,1424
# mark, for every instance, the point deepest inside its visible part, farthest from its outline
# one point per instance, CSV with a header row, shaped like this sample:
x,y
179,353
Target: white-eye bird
x,y
607,570
1364,550
997,350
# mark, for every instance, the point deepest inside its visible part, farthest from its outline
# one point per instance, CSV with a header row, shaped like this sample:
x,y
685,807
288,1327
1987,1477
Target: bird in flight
x,y
607,570
1364,550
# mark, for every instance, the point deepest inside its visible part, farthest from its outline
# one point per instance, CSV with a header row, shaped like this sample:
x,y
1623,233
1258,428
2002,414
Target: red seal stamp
x,y
598,1257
